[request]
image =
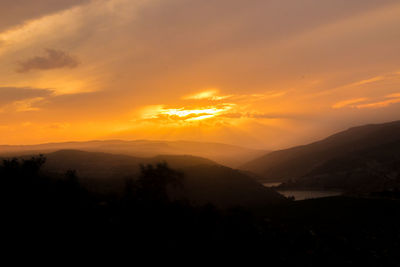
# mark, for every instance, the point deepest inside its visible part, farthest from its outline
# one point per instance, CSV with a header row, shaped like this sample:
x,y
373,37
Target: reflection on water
x,y
301,195
271,184
304,194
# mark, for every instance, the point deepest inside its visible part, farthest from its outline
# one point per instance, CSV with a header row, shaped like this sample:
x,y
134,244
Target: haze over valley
x,y
263,131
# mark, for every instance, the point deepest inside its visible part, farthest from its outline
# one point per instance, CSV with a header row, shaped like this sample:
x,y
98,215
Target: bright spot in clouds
x,y
260,73
189,112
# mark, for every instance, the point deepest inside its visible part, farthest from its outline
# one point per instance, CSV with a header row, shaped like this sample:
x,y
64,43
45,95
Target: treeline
x,y
58,210
37,205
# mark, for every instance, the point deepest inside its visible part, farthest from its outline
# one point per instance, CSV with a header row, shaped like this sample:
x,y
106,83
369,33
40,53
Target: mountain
x,y
365,158
204,180
229,155
226,187
104,165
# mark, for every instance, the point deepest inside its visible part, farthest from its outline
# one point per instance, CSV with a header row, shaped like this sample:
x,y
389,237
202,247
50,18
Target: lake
x,y
304,194
271,184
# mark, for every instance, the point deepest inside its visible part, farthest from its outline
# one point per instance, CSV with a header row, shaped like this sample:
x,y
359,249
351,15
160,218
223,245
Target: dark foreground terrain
x,y
47,214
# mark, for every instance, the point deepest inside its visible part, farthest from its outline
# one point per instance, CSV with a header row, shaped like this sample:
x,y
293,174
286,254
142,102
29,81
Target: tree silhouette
x,y
154,181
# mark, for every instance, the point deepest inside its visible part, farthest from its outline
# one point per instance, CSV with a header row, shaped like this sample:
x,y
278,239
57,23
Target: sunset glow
x,y
267,130
192,114
247,75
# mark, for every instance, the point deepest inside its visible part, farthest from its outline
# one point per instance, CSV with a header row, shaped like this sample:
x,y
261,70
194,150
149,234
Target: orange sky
x,y
266,74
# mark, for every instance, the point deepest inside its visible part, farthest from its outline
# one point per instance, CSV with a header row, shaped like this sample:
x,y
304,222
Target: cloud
x,y
27,104
348,103
10,95
366,103
54,59
184,114
212,107
211,94
368,81
14,13
380,104
395,95
371,82
253,115
159,49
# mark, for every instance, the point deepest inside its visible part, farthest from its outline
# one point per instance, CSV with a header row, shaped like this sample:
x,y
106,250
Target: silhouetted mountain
x,y
205,181
365,158
145,218
228,155
225,187
104,165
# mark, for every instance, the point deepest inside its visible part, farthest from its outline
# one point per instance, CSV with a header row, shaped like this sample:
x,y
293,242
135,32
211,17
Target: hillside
x,y
229,155
104,165
362,157
204,180
61,211
226,187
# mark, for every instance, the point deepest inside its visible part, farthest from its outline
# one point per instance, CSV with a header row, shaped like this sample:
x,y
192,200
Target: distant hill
x,y
226,187
104,165
204,180
365,158
229,155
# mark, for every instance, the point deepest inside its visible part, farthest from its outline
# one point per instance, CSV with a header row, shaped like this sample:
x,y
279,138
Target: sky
x,y
263,74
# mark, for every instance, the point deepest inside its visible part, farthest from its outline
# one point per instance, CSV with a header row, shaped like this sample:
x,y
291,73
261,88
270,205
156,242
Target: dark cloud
x,y
16,12
12,94
55,59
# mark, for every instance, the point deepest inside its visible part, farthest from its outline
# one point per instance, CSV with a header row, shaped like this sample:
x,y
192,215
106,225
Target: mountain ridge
x,y
316,161
204,180
229,155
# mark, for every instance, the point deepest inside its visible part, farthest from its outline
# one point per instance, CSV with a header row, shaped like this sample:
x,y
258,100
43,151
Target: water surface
x,y
308,194
271,184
